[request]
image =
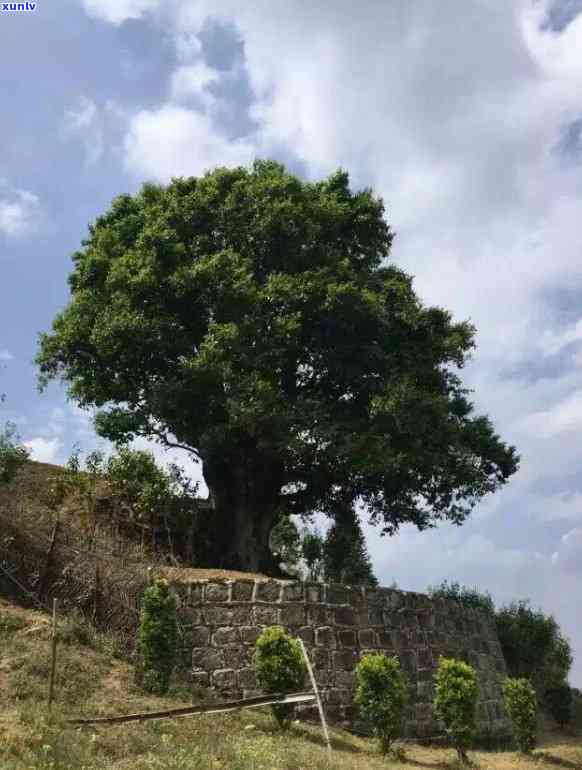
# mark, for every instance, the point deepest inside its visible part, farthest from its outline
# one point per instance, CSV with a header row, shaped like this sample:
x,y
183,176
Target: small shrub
x,y
158,637
380,694
280,668
456,692
12,455
521,704
559,701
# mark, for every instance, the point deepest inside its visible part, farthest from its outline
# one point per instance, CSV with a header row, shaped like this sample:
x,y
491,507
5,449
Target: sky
x,y
465,117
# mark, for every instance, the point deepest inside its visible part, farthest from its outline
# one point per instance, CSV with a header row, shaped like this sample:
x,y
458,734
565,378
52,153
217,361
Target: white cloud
x,y
563,417
174,141
20,212
83,120
44,450
193,80
552,342
568,558
6,355
118,11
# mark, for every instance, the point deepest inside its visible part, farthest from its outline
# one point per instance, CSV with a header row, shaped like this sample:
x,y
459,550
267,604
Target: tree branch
x,y
174,445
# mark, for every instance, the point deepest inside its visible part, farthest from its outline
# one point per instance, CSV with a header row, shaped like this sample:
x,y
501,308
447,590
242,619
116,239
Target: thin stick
x,y
216,708
54,656
317,698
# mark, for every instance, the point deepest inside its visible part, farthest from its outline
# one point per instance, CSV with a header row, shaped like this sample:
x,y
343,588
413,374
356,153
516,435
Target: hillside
x,y
91,680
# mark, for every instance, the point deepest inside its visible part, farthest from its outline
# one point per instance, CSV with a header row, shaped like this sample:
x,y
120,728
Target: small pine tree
x,y
312,552
345,555
560,701
456,692
12,455
521,704
280,668
380,694
158,637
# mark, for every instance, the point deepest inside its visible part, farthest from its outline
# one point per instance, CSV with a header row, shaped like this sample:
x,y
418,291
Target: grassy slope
x,y
92,681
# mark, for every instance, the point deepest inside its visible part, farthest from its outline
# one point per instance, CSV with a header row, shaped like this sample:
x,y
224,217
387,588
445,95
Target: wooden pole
x,y
53,656
317,698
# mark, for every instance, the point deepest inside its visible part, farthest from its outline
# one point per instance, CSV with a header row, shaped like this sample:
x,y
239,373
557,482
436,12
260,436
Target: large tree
x,y
251,318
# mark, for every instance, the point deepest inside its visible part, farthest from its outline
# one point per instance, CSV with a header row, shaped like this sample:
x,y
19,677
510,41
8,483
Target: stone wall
x,y
221,621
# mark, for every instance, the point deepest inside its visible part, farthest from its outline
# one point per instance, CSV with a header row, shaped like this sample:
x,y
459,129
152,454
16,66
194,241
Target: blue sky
x,y
466,118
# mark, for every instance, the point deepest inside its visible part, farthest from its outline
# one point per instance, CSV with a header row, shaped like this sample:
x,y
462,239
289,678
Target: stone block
x,y
386,640
320,657
190,616
313,592
200,679
425,690
345,616
374,597
307,634
268,591
292,615
247,679
424,658
423,711
347,638
337,697
241,615
345,679
323,677
266,616
235,656
217,592
218,616
249,634
344,660
292,592
336,593
356,596
318,616
224,636
199,636
325,637
375,616
207,659
224,679
367,637
242,590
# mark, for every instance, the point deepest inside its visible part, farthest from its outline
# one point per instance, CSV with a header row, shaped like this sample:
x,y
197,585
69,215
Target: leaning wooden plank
x,y
216,708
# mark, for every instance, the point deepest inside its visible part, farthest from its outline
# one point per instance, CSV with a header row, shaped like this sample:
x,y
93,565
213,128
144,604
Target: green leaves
x,y
12,455
158,637
250,314
521,704
380,694
456,693
533,645
280,667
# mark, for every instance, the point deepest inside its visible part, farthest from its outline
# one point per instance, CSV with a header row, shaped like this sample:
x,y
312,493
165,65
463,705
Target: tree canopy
x,y
252,318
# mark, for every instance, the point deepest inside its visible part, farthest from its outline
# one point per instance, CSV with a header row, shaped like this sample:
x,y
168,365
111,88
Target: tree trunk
x,y
246,496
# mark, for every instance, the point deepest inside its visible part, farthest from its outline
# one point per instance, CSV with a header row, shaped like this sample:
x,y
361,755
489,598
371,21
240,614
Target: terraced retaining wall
x,y
221,621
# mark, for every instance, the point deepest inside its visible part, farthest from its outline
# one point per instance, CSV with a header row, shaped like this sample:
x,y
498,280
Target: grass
x,y
91,680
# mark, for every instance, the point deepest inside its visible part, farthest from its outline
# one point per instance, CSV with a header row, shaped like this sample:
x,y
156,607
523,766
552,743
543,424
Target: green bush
x,y
456,692
158,637
533,646
465,595
380,695
559,701
521,704
12,455
280,668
